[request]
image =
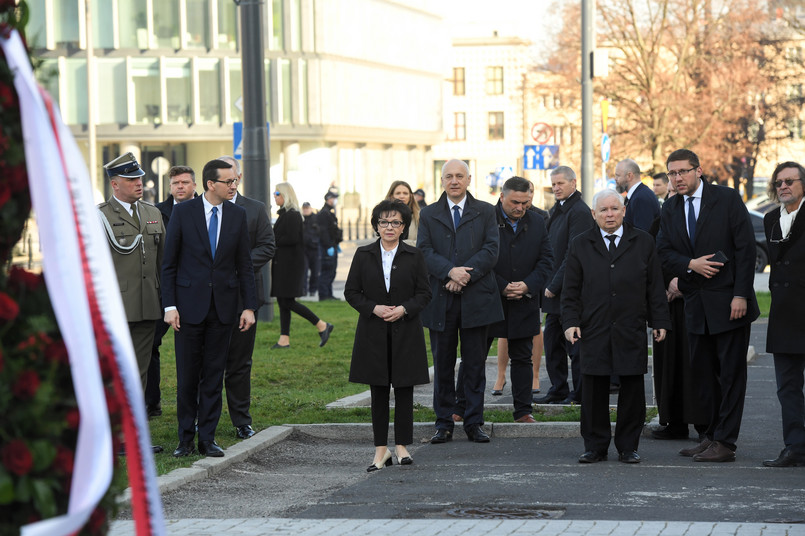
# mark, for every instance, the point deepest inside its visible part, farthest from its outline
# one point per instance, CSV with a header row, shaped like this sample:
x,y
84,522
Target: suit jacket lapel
x,y
200,221
706,206
625,242
678,221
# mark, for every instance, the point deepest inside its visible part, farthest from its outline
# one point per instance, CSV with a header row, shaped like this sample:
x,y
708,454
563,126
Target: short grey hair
x,y
630,165
463,163
567,171
604,194
231,160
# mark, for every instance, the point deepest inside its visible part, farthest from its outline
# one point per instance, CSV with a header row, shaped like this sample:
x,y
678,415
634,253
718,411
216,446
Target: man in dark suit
x,y
661,186
182,187
458,236
613,288
706,240
329,238
524,263
207,268
237,379
642,207
570,216
785,234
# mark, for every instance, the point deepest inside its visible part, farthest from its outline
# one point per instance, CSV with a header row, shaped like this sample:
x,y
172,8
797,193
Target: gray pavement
x,y
311,479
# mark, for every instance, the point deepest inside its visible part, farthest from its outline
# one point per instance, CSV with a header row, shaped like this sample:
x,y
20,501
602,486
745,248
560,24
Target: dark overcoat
x,y
787,285
474,244
261,239
613,299
723,225
365,288
288,266
525,256
643,208
566,221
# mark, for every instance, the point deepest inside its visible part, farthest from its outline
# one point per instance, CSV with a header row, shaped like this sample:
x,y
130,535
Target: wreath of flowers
x,y
38,412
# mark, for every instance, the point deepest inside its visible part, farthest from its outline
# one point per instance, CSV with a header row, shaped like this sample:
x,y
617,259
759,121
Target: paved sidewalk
x,y
445,527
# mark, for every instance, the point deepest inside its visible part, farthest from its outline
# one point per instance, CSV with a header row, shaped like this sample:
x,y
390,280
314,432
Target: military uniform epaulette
x,y
144,202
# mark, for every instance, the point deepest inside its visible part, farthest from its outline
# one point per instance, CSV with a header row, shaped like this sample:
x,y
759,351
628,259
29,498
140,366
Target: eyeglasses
x,y
778,240
230,182
788,182
395,224
679,172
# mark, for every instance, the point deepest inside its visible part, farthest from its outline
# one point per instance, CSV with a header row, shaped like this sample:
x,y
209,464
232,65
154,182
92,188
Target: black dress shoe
x,y
786,459
211,449
185,448
154,411
325,335
671,432
245,431
592,456
629,457
548,399
279,346
476,434
156,449
442,436
569,401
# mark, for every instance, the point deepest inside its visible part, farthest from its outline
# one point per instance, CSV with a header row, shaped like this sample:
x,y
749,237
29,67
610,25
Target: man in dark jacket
x,y
523,266
706,240
182,187
642,207
785,233
613,287
458,236
570,216
329,238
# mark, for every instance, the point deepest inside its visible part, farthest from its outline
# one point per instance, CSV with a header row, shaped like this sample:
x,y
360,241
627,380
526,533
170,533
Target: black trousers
x,y
312,269
789,369
595,424
557,350
444,345
237,380
286,306
327,273
719,361
403,414
521,372
201,351
153,395
142,338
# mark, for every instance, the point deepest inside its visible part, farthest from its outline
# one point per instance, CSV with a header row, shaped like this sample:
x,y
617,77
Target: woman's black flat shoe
x,y
325,335
279,346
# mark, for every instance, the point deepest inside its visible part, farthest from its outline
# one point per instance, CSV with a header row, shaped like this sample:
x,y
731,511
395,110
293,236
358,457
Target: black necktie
x,y
691,221
611,238
625,201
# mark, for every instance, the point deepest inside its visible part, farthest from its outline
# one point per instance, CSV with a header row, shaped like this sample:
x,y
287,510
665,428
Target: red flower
x,y
23,278
17,458
97,521
63,462
73,417
27,385
17,178
7,95
8,307
56,351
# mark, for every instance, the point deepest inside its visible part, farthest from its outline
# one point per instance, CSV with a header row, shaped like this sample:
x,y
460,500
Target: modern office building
x,y
352,103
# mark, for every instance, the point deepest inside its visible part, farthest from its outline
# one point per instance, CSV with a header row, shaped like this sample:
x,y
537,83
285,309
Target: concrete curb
x,y
205,467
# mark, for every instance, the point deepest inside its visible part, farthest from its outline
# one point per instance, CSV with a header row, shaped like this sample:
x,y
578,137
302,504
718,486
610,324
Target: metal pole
x,y
91,138
255,131
587,46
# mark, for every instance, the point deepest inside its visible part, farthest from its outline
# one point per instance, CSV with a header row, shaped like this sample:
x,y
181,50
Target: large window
x,y
276,38
302,92
102,21
74,99
494,80
145,82
235,72
177,85
111,90
166,25
459,130
495,125
198,24
65,17
209,90
133,24
296,25
285,104
227,25
458,81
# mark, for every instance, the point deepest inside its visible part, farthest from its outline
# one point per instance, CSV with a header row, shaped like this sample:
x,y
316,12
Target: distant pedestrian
x,y
312,253
287,269
661,186
401,191
330,237
388,286
419,197
785,234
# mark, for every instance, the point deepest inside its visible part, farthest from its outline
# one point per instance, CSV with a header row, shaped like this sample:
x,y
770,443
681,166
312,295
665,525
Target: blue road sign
x,y
237,138
605,147
540,156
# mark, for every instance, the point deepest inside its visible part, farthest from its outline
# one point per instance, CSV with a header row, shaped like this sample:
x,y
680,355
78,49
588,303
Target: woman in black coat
x,y
388,286
288,268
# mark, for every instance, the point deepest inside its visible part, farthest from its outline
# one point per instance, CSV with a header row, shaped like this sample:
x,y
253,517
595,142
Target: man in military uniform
x,y
136,237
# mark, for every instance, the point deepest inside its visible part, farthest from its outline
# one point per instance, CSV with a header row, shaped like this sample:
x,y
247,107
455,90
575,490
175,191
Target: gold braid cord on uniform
x,y
110,234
